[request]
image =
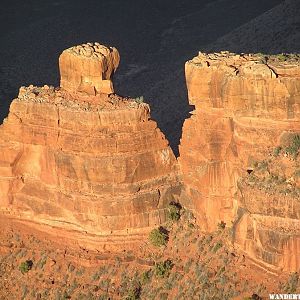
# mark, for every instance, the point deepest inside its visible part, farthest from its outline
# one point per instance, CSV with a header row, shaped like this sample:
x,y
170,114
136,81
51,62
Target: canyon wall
x,y
81,157
245,106
90,161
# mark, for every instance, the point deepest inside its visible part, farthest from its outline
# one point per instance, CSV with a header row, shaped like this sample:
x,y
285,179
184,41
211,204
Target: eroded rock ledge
x,y
245,106
90,162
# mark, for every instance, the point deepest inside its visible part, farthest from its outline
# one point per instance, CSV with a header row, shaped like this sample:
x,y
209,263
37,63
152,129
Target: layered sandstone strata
x,y
88,68
93,163
267,225
244,106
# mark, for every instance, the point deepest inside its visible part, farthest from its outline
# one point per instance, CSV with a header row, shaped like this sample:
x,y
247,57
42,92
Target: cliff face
x,y
80,157
245,106
94,163
267,224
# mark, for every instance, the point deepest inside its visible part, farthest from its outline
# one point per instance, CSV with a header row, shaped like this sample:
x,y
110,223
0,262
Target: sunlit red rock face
x,y
93,163
245,105
88,68
267,225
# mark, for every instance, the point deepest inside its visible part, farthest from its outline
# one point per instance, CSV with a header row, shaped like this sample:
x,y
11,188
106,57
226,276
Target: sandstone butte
x,y
82,158
245,107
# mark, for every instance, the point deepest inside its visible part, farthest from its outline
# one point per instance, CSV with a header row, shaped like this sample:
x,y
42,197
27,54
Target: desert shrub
x,y
163,268
104,284
26,266
282,57
80,272
294,146
188,265
174,211
221,225
158,237
146,277
191,225
41,263
277,151
217,246
139,100
134,293
292,283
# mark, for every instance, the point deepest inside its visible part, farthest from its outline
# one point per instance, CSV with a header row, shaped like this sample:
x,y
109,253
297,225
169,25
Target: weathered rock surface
x,y
93,163
245,105
268,222
88,68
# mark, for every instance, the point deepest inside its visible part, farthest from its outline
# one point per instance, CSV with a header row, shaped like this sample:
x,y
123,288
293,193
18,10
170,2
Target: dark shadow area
x,y
154,39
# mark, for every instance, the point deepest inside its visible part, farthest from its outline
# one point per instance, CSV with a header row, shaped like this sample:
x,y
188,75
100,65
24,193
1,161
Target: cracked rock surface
x,y
245,106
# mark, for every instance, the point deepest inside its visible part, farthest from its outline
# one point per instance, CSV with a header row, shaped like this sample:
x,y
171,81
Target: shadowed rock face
x,y
154,38
244,106
95,163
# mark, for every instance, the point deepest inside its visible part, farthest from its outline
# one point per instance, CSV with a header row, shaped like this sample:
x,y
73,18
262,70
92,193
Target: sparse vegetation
x,y
26,266
277,151
158,237
139,100
162,269
217,246
277,174
282,57
292,283
294,146
194,265
146,277
134,292
221,225
174,211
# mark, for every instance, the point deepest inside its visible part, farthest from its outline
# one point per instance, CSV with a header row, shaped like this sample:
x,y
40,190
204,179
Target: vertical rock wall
x,y
245,106
94,163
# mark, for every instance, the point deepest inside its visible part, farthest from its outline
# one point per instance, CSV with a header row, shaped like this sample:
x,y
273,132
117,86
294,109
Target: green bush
x,y
26,266
191,225
163,268
217,246
146,277
158,237
294,146
282,57
134,293
276,151
174,212
139,100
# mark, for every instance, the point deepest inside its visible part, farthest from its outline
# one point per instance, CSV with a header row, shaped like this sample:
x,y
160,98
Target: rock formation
x,y
88,68
96,163
245,106
267,224
81,157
